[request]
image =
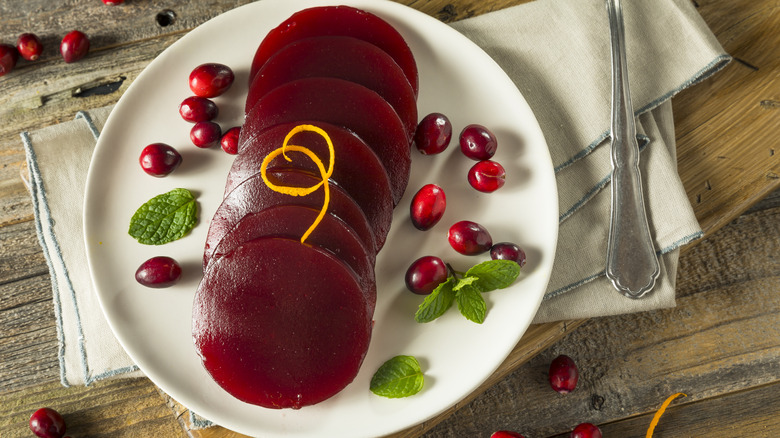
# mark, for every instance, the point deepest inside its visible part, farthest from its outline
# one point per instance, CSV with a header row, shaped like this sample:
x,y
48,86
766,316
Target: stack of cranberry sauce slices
x,y
283,315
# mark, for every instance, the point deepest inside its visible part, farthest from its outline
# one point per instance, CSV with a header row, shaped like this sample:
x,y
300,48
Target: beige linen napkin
x,y
557,52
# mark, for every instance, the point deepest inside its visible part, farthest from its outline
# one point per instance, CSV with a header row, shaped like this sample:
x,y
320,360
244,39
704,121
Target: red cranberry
x,y
159,159
586,430
563,374
427,207
425,274
196,109
229,141
113,2
205,134
469,238
505,434
8,58
158,272
487,176
211,80
477,142
74,46
433,134
29,46
47,423
508,251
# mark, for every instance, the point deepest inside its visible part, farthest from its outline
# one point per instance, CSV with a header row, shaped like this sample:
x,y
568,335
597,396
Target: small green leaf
x,y
471,304
399,377
494,274
463,282
437,302
164,218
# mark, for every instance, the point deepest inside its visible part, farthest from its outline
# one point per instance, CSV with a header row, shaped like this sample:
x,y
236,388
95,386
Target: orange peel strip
x,y
303,191
660,412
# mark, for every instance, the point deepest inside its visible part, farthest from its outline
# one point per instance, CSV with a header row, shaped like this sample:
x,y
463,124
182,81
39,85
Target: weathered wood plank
x,y
51,93
28,334
738,110
20,253
114,408
749,413
15,204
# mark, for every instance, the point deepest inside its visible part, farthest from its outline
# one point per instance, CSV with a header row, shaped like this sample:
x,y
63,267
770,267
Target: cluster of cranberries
x,y
159,159
433,136
477,142
208,81
73,47
563,376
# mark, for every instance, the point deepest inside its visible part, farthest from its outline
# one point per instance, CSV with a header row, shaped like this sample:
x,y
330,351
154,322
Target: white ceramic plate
x,y
153,325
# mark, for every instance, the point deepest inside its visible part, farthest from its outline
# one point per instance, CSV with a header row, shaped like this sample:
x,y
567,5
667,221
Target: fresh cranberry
x,y
159,159
113,2
563,374
487,176
205,134
425,274
47,423
586,430
229,141
29,46
158,272
427,207
74,46
196,109
8,58
505,434
469,238
211,80
508,251
478,143
433,134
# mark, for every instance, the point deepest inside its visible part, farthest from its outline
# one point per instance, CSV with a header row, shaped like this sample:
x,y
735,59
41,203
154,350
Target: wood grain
x,y
112,408
743,101
750,413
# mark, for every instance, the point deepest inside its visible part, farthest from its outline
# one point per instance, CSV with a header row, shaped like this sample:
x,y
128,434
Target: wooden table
x,y
720,345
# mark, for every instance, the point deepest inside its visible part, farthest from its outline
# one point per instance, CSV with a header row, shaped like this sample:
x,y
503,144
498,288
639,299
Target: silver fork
x,y
632,264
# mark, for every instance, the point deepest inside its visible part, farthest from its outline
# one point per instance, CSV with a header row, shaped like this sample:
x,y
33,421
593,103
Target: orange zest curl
x,y
303,191
660,412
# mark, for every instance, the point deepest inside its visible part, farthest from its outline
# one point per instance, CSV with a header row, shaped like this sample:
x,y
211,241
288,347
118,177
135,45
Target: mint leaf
x,y
471,304
494,274
164,218
437,302
399,377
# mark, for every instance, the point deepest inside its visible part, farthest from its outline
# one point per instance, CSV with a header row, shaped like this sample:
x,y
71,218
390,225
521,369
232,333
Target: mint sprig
x,y
466,290
164,218
399,377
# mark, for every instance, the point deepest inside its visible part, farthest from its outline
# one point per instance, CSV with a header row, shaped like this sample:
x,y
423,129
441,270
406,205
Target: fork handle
x,y
632,264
